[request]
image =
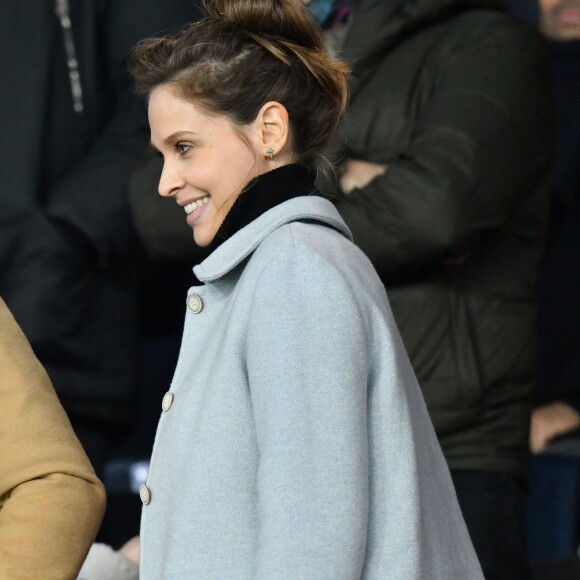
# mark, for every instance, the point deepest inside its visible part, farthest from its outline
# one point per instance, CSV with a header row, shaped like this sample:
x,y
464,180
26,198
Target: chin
x,y
202,239
201,243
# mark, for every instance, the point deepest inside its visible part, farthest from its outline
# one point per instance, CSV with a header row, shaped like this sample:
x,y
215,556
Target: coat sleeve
x,y
481,143
307,370
51,503
93,195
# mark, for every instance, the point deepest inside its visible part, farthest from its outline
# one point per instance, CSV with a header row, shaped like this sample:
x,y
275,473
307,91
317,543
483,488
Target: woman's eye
x,y
183,148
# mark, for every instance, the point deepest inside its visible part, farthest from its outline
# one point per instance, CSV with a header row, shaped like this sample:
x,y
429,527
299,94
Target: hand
x,y
131,549
358,174
103,561
550,421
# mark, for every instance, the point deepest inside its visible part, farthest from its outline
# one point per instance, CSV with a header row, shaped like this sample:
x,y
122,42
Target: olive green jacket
x,y
454,98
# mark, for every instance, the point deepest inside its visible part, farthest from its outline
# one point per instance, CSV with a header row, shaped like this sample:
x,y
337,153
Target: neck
x,y
264,193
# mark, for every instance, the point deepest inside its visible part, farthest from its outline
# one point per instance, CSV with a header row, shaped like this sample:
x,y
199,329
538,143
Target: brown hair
x,y
246,53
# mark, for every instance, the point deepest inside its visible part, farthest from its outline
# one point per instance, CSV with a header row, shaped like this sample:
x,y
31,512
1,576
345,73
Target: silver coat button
x,y
144,494
167,401
194,303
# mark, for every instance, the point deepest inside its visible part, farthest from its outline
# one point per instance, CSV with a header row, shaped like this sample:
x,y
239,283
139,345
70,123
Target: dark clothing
x,y
68,247
454,97
494,508
560,313
560,279
565,65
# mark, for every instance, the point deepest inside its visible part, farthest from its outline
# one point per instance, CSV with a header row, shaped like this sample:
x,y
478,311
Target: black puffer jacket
x,y
72,130
454,97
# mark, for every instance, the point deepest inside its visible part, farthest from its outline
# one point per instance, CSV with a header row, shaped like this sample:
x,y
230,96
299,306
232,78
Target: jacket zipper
x,y
62,10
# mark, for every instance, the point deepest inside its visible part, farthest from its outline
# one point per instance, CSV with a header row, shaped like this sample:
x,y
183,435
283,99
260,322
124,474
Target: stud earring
x,y
270,152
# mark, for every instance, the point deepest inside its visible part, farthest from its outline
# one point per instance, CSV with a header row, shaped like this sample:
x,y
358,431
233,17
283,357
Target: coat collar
x,y
237,248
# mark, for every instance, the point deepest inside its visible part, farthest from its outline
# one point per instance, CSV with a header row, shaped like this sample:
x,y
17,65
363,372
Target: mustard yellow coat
x,y
51,502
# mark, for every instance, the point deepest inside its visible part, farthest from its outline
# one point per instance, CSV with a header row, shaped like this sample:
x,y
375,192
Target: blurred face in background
x,y
560,19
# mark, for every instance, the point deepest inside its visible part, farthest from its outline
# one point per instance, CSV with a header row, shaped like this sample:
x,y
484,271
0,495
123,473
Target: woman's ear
x,y
273,129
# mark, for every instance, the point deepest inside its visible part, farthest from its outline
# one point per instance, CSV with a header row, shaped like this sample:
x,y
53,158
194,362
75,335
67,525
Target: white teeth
x,y
191,207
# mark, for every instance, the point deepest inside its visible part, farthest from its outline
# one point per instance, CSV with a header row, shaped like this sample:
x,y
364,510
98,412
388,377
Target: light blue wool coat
x,y
295,443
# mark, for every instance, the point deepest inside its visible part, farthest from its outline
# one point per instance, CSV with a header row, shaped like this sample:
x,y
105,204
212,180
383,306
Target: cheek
x,y
202,172
247,165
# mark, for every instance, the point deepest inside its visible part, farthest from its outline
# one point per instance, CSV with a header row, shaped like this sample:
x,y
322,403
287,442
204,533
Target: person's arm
x,y
481,144
51,502
307,370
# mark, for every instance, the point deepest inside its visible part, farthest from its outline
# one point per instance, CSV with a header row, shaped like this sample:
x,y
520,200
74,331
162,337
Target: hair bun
x,y
289,20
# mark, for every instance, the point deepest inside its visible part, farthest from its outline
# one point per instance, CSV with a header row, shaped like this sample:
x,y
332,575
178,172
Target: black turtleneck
x,y
264,193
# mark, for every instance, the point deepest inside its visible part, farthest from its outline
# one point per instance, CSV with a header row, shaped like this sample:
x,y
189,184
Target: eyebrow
x,y
174,137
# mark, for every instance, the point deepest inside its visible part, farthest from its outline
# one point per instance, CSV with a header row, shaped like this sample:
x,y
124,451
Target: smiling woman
x,y
202,118
195,145
294,441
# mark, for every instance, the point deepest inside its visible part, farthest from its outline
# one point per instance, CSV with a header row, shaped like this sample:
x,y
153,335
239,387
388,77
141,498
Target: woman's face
x,y
206,160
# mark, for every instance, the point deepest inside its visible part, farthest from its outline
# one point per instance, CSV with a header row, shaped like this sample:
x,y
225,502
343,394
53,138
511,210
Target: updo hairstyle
x,y
245,53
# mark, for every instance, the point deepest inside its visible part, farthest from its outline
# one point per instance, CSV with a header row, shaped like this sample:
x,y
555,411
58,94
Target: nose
x,y
170,182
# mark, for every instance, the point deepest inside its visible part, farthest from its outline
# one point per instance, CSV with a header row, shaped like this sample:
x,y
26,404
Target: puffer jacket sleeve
x,y
481,143
307,371
51,502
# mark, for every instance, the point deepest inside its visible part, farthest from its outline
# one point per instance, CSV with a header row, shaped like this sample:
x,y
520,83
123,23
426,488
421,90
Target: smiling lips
x,y
191,207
